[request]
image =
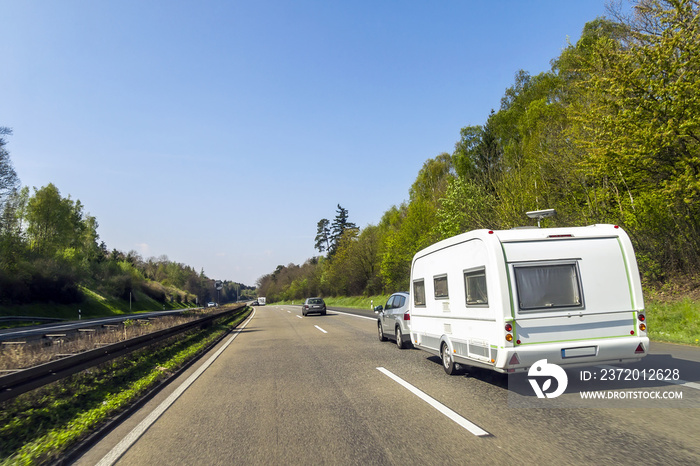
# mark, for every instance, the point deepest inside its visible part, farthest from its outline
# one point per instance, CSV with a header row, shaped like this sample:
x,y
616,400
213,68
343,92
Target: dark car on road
x,y
314,305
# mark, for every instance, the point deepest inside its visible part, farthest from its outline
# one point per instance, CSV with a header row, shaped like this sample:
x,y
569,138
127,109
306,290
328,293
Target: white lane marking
x,y
470,426
131,438
353,315
299,316
320,329
683,383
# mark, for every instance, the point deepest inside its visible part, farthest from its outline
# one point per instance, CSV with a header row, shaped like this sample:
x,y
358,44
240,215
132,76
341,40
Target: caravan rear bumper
x,y
573,353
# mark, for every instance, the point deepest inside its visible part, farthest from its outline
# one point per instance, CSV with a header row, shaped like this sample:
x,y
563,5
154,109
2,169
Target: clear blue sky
x,y
218,133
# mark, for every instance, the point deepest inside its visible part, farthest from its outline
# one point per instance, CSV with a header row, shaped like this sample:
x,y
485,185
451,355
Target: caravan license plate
x,y
579,352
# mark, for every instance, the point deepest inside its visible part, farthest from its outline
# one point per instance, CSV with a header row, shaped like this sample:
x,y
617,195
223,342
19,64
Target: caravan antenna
x,y
540,214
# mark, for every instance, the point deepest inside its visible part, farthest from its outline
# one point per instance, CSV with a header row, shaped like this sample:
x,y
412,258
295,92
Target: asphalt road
x,y
323,390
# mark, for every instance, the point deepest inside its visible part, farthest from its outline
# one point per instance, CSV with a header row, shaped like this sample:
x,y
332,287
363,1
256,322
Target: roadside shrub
x,y
154,290
41,281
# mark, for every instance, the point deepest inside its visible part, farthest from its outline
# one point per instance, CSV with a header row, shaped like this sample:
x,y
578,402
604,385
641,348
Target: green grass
x,y
39,427
355,302
674,321
94,305
358,302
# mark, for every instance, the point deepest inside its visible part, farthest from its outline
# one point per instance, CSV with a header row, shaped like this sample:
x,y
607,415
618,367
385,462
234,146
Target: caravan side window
x,y
419,293
548,286
475,287
440,287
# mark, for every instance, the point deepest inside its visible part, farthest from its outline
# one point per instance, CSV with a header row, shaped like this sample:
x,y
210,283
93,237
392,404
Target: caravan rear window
x,y
548,286
419,293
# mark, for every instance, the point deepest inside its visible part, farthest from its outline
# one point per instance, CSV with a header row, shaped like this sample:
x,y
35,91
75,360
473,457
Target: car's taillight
x,y
407,315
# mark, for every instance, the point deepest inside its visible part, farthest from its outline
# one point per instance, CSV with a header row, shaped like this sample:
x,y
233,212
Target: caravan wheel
x,y
447,362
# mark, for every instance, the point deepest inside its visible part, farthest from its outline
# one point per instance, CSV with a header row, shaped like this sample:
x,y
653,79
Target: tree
x,y
338,227
8,177
466,206
51,220
12,240
322,235
637,120
478,155
433,178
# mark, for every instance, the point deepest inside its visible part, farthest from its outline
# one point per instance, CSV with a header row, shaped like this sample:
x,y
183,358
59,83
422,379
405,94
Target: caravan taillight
x,y
641,317
642,327
509,328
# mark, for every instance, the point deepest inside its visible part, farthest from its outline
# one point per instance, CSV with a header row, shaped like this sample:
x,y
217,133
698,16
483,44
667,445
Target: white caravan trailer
x,y
505,299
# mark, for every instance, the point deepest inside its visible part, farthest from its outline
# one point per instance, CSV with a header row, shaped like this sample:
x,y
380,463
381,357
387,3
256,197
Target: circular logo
x,y
542,369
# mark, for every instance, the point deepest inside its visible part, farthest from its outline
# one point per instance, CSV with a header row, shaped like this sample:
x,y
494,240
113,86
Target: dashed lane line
x,y
462,421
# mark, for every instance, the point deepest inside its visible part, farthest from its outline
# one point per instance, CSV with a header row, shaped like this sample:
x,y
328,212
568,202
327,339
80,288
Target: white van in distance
x,y
505,299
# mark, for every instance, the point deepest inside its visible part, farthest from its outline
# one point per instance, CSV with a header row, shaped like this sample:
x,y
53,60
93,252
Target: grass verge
x,y
353,302
671,320
94,305
41,426
674,321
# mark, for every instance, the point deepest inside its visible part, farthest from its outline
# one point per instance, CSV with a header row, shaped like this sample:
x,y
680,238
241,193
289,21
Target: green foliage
x,y
323,233
49,253
8,177
466,206
338,228
638,120
677,321
611,134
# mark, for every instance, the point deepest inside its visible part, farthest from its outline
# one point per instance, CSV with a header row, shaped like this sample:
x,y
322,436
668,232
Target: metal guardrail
x,y
15,384
30,319
62,326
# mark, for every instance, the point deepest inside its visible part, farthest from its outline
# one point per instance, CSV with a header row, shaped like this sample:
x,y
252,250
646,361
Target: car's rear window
x,y
316,301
